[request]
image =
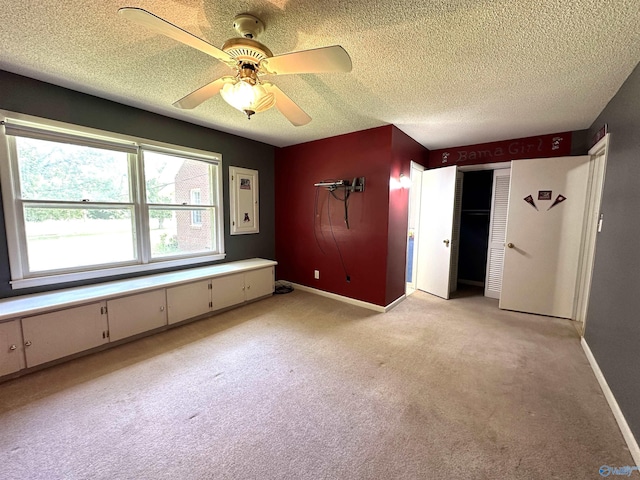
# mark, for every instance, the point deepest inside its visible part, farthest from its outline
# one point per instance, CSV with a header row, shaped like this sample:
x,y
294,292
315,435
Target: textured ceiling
x,y
445,72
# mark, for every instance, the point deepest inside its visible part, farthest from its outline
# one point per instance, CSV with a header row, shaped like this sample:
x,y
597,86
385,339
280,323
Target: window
x,y
80,204
196,215
76,205
169,185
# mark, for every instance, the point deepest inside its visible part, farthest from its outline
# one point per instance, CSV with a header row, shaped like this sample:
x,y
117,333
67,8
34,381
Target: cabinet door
x,y
227,291
259,283
188,301
11,348
136,314
55,335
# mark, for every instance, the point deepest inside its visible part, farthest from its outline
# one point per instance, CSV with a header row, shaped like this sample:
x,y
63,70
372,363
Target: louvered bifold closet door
x,y
497,232
455,235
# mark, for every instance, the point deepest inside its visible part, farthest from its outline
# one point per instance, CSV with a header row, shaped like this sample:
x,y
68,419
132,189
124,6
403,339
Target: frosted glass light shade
x,y
246,97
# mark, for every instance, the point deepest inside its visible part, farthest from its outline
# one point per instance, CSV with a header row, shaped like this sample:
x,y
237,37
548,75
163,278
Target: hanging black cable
x,y
315,215
344,269
345,201
346,206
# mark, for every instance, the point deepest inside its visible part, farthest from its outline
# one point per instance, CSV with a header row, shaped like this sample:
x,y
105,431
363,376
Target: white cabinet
x,y
259,283
188,301
197,298
83,318
240,287
11,347
55,335
227,291
136,314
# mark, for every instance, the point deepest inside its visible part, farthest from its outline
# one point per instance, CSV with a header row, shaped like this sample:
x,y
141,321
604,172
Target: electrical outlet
x,y
316,274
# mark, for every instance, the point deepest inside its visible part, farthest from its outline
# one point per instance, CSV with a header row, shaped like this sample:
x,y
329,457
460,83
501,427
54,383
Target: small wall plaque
x,y
544,194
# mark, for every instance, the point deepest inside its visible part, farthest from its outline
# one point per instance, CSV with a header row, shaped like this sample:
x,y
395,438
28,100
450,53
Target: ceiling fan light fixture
x,y
248,58
247,98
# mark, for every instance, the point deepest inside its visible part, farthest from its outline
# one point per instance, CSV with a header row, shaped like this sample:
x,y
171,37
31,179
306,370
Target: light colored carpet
x,y
299,386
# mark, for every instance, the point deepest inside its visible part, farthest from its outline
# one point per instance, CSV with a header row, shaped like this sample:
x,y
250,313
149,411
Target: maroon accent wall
x,y
403,150
311,233
541,146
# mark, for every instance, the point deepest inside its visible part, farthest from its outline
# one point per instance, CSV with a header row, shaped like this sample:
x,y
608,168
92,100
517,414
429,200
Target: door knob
x,y
446,242
510,245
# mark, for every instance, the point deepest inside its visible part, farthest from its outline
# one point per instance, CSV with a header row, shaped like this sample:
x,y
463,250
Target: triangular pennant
x,y
559,199
530,201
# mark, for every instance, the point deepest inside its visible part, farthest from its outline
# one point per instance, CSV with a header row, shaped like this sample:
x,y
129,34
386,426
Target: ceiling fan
x,y
250,61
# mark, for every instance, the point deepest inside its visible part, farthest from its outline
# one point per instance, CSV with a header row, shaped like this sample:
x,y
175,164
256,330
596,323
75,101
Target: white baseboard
x,y
341,298
395,302
613,404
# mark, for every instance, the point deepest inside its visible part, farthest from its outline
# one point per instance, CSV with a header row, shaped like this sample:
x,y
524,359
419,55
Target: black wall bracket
x,y
355,185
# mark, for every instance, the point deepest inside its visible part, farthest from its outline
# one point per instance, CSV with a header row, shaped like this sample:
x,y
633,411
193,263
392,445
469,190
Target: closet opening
x,y
475,219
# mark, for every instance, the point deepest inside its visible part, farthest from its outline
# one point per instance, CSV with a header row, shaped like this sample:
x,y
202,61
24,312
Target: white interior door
x,y
592,225
497,232
437,209
544,233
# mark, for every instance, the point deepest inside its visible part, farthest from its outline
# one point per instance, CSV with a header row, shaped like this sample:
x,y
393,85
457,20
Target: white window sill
x,y
27,305
110,272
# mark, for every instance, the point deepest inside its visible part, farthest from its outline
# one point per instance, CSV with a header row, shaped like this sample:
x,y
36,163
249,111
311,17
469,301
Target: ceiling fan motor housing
x,y
246,50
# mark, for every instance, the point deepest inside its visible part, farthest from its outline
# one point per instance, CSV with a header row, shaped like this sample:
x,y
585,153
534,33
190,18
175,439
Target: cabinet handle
x,y
249,287
162,308
13,347
27,343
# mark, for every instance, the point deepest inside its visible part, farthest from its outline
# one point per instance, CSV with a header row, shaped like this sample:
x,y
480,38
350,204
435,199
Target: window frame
x,y
36,127
196,222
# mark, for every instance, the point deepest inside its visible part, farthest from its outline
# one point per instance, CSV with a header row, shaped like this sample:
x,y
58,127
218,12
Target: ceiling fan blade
x,y
157,24
287,107
198,96
318,60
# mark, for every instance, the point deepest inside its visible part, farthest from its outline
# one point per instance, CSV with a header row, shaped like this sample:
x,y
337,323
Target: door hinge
x,y
210,287
105,334
210,304
103,310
